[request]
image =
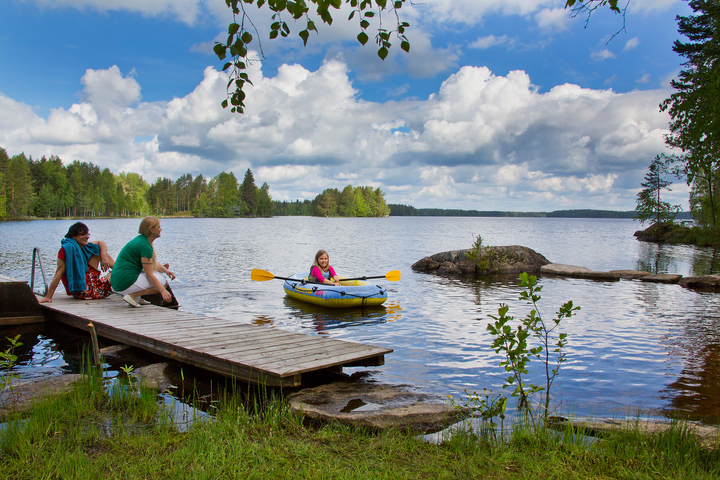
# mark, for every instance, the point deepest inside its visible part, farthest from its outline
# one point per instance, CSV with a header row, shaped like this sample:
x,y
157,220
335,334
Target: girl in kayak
x,y
321,271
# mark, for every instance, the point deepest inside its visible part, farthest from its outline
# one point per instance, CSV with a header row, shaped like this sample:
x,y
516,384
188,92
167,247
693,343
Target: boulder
x,y
155,376
630,274
704,282
494,260
22,394
662,278
577,272
373,406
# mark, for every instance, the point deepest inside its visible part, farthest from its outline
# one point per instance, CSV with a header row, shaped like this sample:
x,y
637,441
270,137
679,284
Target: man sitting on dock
x,y
78,266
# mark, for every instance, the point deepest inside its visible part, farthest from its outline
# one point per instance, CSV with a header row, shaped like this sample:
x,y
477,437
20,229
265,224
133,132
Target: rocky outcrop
x,y
493,260
668,232
577,272
373,406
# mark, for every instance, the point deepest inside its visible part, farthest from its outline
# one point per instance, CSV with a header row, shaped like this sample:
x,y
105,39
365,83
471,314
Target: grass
x,y
92,433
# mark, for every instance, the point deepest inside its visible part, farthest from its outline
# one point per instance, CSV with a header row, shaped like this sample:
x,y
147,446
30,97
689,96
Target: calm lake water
x,y
634,348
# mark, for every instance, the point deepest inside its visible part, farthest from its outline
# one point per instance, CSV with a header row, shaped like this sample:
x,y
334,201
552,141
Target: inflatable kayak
x,y
351,293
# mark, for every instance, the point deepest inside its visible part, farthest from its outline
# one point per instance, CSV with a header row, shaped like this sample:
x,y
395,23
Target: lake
x,y
634,349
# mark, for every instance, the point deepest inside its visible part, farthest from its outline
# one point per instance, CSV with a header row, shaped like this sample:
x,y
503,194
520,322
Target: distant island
x,y
409,211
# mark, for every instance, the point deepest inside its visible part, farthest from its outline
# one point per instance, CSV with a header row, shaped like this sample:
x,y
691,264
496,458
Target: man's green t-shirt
x,y
128,264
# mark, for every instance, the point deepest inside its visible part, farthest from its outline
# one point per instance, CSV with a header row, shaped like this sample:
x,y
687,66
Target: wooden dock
x,y
251,353
17,303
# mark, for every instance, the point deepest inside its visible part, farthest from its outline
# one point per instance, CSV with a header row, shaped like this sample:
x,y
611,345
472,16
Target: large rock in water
x,y
372,405
506,259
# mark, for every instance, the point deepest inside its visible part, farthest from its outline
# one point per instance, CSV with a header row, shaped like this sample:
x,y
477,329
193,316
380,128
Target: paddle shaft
x,y
321,283
361,278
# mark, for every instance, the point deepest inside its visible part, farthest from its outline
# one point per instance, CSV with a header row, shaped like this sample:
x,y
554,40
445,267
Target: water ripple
x,y
633,347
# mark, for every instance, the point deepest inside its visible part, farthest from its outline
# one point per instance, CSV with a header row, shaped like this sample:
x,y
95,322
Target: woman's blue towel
x,y
76,262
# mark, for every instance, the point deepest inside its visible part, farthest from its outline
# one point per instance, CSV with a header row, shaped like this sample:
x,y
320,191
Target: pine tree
x,y
694,108
649,204
249,193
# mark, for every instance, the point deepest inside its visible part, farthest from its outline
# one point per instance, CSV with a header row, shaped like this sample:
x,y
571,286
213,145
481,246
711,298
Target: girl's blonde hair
x,y
319,254
146,224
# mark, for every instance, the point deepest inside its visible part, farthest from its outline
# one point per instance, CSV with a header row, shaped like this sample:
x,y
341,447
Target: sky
x,y
499,105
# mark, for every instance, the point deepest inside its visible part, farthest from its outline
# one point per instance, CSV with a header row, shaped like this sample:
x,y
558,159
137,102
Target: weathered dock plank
x,y
252,353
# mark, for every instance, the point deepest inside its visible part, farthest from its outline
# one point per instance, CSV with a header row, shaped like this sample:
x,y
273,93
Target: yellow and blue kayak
x,y
351,293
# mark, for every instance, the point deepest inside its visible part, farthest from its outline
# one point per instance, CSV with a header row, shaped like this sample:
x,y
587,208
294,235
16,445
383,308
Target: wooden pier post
x,y
96,347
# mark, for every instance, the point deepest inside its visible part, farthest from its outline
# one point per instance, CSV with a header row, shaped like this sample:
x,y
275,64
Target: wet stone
x,y
631,274
703,282
22,394
577,272
157,376
374,406
662,278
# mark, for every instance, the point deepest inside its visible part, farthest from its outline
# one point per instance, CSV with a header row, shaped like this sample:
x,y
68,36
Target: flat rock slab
x,y
577,272
631,274
704,282
21,397
708,436
373,406
662,278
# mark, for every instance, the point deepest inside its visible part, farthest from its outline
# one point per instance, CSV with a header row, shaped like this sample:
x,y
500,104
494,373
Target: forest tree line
x,y
350,202
46,188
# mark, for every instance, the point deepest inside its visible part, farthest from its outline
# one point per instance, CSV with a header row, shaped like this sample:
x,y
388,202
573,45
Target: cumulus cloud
x,y
651,6
644,79
553,19
471,12
480,137
602,55
632,43
483,43
186,11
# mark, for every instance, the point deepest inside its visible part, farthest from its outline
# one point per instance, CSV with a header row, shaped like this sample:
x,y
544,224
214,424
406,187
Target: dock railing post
x,y
36,255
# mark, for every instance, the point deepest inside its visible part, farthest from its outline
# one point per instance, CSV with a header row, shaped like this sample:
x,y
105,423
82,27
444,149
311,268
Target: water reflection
x,y
322,319
706,261
655,259
694,395
46,350
682,259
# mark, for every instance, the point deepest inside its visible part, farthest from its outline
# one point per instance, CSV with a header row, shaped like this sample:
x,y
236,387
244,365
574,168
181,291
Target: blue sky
x,y
500,105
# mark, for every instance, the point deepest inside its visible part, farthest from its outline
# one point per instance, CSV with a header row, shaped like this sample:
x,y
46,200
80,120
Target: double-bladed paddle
x,y
263,275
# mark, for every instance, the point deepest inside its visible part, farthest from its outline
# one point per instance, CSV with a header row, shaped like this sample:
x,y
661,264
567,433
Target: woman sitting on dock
x,y
135,267
78,266
321,271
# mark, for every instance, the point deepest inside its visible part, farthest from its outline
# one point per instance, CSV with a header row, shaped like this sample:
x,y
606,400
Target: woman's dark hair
x,y
76,229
